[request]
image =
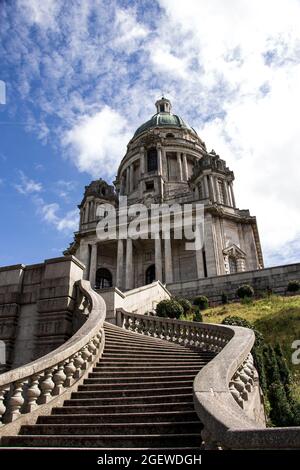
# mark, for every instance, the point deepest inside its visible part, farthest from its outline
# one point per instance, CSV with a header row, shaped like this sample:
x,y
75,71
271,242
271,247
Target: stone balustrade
x,y
207,337
37,384
224,386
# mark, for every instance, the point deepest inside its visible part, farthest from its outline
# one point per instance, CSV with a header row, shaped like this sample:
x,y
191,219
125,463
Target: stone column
x,y
210,246
127,180
185,168
120,260
158,260
232,194
168,262
212,189
228,199
159,160
129,266
199,261
179,164
93,265
206,188
85,258
131,178
217,189
142,160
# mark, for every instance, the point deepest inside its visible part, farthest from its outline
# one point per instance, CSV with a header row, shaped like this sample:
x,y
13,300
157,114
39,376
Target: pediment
x,y
235,251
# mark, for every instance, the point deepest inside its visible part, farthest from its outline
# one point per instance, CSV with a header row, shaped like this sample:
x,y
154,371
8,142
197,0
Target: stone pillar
x,y
206,188
85,258
129,266
199,261
210,246
228,199
217,189
185,168
93,265
131,178
232,194
158,260
120,260
179,164
127,180
142,160
159,160
212,189
168,262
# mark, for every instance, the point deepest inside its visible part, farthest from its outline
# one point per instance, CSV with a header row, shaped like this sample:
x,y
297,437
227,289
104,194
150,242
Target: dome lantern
x,y
163,105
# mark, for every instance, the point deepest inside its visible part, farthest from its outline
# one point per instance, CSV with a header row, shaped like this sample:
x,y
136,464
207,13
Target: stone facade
x,y
273,279
167,162
36,308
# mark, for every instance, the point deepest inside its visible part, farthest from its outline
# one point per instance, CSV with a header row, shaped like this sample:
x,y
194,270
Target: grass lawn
x,y
276,317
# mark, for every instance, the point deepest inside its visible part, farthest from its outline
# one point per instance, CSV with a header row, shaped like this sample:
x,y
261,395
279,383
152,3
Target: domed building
x,y
167,163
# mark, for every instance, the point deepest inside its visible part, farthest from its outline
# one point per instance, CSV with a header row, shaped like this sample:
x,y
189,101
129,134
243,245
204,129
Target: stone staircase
x,y
138,396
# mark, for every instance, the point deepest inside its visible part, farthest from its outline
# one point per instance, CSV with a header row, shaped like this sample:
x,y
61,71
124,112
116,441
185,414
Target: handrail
x,y
25,388
223,386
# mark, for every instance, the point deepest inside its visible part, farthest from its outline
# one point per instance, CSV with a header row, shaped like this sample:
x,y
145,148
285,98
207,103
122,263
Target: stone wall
x,y
275,278
140,300
36,307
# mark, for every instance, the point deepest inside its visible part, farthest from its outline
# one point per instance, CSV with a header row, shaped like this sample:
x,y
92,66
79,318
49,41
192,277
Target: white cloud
x,y
27,185
130,32
49,212
98,142
244,58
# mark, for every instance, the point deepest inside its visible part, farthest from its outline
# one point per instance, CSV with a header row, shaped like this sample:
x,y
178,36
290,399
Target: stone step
x,y
151,355
150,399
141,392
123,408
141,338
140,379
134,386
113,428
153,417
147,367
145,363
117,347
144,372
159,441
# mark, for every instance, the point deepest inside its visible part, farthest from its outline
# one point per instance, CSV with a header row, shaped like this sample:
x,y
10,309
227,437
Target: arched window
x,y
103,278
150,274
152,159
170,135
232,265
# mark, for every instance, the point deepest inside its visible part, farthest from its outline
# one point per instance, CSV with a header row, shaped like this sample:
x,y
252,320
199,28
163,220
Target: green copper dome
x,y
163,118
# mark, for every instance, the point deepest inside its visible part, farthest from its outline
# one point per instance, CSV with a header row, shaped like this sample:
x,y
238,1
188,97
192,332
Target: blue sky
x,y
81,76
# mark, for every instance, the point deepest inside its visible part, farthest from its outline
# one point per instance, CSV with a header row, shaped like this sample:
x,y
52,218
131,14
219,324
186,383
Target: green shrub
x,y
169,309
280,413
185,304
224,298
238,321
293,286
197,314
201,301
245,291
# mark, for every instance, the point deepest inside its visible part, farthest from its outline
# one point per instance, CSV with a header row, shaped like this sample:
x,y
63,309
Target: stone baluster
x,y
59,379
33,393
79,362
3,392
70,370
46,386
16,401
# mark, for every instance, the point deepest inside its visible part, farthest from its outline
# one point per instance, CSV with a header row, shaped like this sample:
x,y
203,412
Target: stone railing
x,y
223,388
204,336
35,388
